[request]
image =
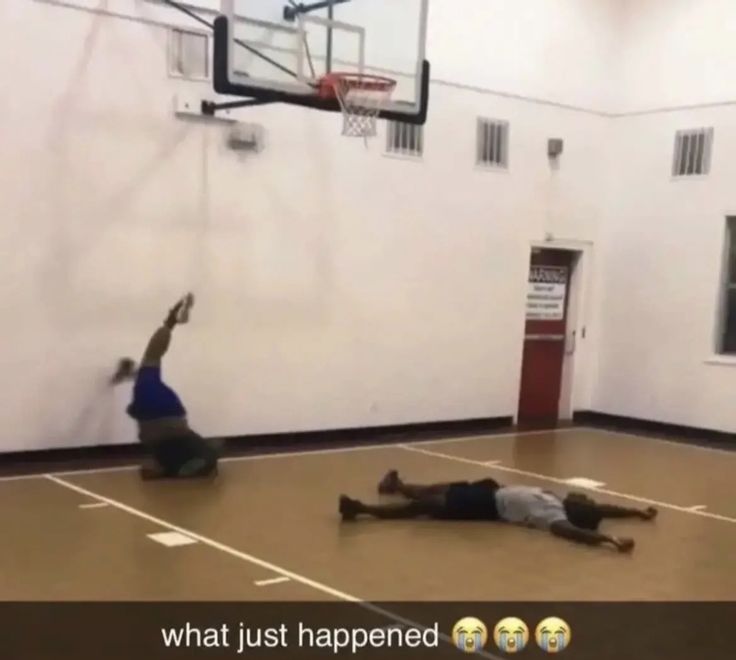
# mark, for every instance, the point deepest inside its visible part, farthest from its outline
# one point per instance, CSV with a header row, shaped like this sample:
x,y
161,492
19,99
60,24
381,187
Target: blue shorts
x,y
152,398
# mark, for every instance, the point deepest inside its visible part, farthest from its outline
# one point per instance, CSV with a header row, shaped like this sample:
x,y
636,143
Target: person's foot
x,y
125,371
650,513
389,485
179,313
624,545
187,302
349,508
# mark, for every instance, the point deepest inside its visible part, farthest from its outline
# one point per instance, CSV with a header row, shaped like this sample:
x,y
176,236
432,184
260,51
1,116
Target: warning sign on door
x,y
545,299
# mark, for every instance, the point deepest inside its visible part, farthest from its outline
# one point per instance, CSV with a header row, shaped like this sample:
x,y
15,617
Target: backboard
x,y
279,50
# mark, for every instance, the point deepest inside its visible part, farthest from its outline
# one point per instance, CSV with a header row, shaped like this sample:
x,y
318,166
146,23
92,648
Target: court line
x,y
21,477
252,559
683,445
293,454
266,583
558,480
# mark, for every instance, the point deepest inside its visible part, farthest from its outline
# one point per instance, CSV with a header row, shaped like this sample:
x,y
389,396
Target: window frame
x,y
176,35
727,285
483,141
415,152
681,155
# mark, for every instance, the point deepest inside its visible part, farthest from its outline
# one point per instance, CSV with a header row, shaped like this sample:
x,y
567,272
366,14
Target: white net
x,y
361,98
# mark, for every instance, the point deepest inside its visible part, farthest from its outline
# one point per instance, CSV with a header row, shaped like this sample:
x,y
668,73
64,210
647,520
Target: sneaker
x,y
185,307
349,508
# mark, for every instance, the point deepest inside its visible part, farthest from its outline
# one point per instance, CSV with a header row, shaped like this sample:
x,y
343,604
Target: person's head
x,y
582,512
184,450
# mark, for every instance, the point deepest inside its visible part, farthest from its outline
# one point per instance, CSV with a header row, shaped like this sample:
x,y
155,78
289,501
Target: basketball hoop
x,y
361,97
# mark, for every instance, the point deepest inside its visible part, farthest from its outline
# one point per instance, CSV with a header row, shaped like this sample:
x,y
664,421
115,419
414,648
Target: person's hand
x,y
624,545
125,371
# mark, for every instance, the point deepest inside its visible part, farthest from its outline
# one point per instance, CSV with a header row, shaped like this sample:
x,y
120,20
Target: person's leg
x,y
159,343
392,484
350,509
566,530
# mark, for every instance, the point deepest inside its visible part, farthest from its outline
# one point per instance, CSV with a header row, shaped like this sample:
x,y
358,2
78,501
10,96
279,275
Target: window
x,y
728,315
692,152
492,143
189,55
405,139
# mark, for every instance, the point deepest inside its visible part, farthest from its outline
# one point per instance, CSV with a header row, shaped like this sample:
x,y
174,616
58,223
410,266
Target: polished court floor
x,y
268,529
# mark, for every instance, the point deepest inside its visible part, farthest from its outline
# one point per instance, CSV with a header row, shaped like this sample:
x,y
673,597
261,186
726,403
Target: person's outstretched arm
x,y
566,530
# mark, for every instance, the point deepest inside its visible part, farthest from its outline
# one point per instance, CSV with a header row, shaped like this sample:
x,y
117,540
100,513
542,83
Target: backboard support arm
x,y
296,9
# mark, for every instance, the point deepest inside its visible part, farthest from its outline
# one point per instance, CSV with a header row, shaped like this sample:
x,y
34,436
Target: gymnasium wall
x,y
337,287
663,240
675,53
530,48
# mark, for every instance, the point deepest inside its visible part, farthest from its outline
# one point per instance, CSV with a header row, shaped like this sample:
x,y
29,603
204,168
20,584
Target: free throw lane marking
x,y
584,482
267,583
172,539
273,568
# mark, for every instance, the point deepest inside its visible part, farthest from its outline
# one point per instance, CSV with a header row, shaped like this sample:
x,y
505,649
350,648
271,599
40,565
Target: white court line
x,y
171,539
387,445
584,482
674,443
266,583
698,507
94,505
283,572
292,454
21,477
557,480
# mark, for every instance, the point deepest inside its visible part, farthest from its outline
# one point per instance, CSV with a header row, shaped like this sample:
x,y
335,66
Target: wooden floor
x,y
268,529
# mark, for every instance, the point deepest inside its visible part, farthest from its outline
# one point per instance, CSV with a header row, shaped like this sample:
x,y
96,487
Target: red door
x,y
544,341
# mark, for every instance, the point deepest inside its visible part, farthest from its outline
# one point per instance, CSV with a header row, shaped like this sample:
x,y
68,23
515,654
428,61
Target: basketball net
x,y
361,98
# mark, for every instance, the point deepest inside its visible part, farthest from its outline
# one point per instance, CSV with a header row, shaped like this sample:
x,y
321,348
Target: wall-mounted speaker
x,y
555,147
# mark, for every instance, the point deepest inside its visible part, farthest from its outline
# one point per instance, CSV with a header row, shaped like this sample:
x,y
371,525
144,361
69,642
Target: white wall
x,y
561,51
662,240
337,287
676,53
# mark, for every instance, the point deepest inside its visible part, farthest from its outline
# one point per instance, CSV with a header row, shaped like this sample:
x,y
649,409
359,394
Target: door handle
x,y
573,344
544,337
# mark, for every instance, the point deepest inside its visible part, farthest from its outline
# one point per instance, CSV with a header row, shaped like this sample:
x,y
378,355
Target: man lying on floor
x,y
575,518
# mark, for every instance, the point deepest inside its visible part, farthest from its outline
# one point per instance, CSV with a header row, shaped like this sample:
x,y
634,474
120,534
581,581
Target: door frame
x,y
575,390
